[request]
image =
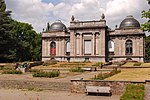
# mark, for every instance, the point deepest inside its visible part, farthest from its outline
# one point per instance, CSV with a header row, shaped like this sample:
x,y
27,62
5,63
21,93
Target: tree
x,y
147,48
18,41
27,45
146,27
6,41
146,14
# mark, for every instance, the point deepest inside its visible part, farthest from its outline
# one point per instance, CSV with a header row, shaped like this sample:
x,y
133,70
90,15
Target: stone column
x,y
72,43
97,45
46,50
102,38
77,44
93,44
57,48
43,48
81,46
63,47
60,48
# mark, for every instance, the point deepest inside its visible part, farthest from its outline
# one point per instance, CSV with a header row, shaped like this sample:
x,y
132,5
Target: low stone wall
x,y
35,85
117,87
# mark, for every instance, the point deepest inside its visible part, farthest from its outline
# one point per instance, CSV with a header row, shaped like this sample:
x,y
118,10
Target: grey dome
x,y
129,22
57,26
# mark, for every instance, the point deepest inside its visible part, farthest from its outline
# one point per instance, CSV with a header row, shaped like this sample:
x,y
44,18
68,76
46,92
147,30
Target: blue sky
x,y
39,12
55,2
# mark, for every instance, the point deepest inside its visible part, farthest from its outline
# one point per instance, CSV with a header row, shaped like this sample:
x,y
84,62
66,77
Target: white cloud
x,y
38,13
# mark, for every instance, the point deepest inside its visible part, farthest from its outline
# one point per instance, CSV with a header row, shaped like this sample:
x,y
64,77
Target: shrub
x,y
133,92
54,73
102,76
11,72
36,63
137,64
6,68
34,70
76,69
49,63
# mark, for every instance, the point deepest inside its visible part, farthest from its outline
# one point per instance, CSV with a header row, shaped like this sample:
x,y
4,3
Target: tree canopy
x,y
146,27
5,32
146,14
18,41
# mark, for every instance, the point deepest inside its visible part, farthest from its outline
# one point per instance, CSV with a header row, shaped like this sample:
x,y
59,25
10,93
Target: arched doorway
x,y
53,48
128,46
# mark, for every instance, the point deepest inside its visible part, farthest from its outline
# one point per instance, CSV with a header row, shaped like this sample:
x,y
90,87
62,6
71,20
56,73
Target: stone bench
x,y
98,89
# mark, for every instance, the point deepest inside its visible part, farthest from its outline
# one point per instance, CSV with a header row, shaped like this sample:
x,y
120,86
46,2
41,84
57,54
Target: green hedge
x,y
133,92
54,73
49,63
34,70
11,72
76,69
6,68
137,64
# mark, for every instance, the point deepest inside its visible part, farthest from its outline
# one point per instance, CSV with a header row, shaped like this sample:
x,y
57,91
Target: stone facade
x,y
93,41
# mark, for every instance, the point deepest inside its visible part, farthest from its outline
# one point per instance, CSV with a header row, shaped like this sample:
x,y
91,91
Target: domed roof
x,y
129,22
57,26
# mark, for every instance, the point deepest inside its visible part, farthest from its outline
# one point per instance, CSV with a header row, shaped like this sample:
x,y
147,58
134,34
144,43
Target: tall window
x,y
129,50
68,48
87,47
53,48
111,46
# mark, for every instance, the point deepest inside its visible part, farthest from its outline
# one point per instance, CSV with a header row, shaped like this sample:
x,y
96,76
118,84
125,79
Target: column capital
x,y
80,33
93,33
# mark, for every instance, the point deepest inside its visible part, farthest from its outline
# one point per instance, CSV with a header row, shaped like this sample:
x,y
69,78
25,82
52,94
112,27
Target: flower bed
x,y
102,76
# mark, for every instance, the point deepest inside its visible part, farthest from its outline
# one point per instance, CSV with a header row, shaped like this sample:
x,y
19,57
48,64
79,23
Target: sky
x,y
40,12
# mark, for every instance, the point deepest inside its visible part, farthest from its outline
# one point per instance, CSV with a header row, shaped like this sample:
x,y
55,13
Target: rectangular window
x,y
87,47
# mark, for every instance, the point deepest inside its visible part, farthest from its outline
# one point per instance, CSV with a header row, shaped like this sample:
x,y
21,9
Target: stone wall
x,y
117,87
35,85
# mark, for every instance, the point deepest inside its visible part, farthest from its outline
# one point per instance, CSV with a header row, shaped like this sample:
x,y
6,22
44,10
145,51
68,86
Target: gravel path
x,y
85,75
147,92
45,95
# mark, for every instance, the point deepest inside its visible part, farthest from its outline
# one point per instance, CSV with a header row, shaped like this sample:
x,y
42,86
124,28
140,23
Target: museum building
x,y
93,41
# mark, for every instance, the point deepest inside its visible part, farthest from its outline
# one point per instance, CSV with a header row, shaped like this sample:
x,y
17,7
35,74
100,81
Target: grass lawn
x,y
71,64
133,92
128,64
145,64
134,74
